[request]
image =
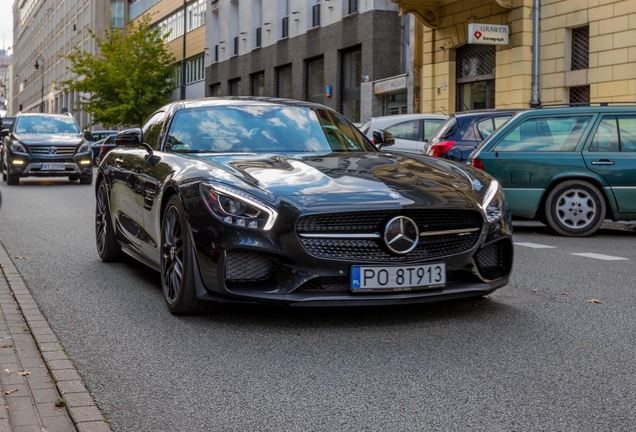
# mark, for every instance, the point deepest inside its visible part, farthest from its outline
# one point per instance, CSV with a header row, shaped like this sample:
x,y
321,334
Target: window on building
x,y
580,48
215,89
315,80
315,15
257,22
257,84
352,6
284,81
172,27
580,95
350,79
282,17
233,86
475,77
285,27
195,70
117,14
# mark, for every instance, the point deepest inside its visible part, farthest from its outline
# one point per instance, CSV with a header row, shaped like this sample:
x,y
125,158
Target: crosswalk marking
x,y
601,256
534,245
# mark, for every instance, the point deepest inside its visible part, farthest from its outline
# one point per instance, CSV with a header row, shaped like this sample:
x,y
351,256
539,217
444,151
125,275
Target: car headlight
x,y
493,203
83,148
17,147
237,208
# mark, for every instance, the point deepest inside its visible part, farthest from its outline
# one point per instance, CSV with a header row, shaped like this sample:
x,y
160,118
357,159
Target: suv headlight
x,y
237,208
17,147
493,203
83,148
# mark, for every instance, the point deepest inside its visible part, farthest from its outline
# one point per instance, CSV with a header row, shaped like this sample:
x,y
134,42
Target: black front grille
x,y
326,284
52,150
373,223
495,260
247,266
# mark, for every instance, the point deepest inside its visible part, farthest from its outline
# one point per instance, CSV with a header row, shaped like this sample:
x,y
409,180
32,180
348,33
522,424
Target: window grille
x,y
284,81
315,80
350,79
580,48
257,84
580,95
233,86
215,89
475,62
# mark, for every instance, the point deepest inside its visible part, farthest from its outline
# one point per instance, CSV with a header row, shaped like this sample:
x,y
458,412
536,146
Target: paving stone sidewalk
x,y
41,388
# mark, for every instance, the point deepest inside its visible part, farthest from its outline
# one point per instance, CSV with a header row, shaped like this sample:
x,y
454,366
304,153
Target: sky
x,y
6,23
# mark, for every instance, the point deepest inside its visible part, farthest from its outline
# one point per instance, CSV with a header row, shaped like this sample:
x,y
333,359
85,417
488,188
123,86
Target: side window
x,y
152,129
627,131
606,136
406,130
545,134
430,126
485,127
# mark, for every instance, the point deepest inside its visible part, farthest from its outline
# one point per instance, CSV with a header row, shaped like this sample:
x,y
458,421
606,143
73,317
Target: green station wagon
x,y
569,167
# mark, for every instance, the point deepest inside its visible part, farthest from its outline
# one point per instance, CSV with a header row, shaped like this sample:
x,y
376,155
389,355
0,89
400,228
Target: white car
x,y
409,130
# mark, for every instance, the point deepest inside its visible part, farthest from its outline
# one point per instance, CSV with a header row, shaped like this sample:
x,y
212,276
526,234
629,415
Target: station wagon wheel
x,y
575,208
177,262
107,246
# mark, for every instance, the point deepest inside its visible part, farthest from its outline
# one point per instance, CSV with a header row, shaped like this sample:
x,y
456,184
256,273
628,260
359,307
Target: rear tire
x,y
107,246
177,262
575,208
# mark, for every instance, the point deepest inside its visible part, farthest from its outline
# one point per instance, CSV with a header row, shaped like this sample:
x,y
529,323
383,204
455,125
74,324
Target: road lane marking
x,y
601,256
534,245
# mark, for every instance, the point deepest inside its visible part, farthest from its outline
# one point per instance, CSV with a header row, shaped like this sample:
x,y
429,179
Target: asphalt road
x,y
553,351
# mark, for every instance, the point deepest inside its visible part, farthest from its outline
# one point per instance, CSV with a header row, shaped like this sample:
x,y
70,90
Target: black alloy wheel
x,y
177,262
107,246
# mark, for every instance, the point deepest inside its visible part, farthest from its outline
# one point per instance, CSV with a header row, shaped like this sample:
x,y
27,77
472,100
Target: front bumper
x,y
278,269
27,165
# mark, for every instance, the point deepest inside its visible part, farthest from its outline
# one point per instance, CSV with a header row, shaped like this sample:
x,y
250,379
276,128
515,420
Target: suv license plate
x,y
52,167
402,278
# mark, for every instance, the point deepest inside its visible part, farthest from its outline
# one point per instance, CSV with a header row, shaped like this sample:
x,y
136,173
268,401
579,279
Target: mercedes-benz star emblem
x,y
401,235
53,150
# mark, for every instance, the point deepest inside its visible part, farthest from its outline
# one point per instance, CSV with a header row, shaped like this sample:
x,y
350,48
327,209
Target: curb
x,y
50,357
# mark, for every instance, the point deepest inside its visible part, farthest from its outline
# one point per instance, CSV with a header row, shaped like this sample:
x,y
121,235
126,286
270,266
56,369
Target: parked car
x,y
409,130
101,147
45,145
95,138
569,167
462,132
276,201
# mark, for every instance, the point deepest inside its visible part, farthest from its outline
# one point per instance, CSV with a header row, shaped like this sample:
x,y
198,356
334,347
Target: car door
x,y
406,136
611,153
532,154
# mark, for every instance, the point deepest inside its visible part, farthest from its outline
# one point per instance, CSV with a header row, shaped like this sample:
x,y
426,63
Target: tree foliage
x,y
129,78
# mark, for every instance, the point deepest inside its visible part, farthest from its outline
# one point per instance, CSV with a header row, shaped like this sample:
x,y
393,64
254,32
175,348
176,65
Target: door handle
x,y
603,162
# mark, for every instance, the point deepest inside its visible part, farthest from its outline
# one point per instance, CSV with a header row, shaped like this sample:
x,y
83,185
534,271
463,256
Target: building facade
x,y
5,82
188,48
556,51
44,31
353,56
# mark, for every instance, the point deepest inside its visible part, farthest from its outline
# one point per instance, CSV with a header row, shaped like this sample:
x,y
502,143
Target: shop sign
x,y
488,34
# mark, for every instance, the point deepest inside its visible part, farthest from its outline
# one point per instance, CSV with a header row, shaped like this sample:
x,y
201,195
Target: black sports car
x,y
279,201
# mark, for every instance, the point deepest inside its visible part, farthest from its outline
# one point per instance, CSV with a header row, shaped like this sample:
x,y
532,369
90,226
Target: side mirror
x,y
88,136
383,138
130,138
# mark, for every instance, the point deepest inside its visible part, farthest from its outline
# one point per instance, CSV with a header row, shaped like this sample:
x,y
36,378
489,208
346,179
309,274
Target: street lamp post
x,y
39,61
183,57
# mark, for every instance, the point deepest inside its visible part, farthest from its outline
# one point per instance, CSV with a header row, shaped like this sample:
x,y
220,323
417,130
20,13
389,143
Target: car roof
x,y
244,100
487,112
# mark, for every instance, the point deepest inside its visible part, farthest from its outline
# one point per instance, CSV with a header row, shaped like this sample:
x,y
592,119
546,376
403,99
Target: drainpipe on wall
x,y
534,102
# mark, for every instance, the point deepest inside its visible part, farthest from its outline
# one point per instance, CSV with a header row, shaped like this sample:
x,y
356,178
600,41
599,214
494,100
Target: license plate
x,y
52,167
400,278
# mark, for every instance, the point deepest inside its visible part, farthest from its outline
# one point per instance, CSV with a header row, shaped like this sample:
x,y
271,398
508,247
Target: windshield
x,y
46,125
262,129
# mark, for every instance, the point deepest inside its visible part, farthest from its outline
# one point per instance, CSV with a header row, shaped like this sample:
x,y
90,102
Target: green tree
x,y
127,80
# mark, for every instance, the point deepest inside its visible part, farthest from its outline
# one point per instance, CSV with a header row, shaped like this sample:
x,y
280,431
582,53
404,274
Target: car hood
x,y
49,139
365,177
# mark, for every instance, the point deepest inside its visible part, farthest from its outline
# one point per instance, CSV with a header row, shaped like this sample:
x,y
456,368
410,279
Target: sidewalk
x,y
41,388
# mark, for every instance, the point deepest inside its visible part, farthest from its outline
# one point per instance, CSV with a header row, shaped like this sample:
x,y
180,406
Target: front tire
x,y
575,208
86,180
177,262
107,246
